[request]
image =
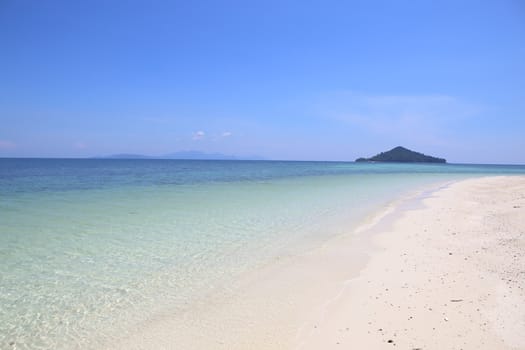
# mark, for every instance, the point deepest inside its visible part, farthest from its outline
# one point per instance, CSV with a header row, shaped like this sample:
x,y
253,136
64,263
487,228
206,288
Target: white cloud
x,y
422,117
198,135
226,134
5,144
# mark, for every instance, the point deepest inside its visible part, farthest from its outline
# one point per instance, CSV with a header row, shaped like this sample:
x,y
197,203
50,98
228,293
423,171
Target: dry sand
x,y
448,274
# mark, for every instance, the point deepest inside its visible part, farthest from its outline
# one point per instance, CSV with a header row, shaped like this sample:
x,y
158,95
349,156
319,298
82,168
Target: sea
x,y
91,248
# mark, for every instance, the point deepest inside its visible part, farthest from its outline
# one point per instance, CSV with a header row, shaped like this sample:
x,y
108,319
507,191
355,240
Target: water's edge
x,y
93,250
281,283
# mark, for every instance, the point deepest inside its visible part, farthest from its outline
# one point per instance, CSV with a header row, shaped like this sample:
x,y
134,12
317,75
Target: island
x,y
402,155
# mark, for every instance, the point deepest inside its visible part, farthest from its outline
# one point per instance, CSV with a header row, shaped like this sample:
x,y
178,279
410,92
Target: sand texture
x,y
450,275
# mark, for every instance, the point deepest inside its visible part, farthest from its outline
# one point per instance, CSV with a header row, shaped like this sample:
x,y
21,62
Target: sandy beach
x,y
443,270
450,275
270,175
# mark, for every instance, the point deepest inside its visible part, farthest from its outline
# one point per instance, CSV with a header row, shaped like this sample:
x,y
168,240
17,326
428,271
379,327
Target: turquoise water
x,y
91,248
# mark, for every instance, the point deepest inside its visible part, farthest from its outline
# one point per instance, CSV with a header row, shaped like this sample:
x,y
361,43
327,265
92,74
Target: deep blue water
x,y
32,175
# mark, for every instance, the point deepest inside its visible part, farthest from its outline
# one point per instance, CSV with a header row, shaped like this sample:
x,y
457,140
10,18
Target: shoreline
x,y
336,296
446,276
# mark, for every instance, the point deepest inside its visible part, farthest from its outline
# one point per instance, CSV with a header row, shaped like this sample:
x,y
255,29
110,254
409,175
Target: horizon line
x,y
257,160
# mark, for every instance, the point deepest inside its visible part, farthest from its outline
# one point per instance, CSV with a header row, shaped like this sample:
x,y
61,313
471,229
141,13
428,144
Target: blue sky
x,y
305,80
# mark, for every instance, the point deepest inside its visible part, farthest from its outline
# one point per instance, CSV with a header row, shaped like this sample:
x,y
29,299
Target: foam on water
x,y
91,248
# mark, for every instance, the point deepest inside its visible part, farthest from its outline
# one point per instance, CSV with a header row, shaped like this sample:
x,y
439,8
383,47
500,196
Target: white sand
x,y
447,275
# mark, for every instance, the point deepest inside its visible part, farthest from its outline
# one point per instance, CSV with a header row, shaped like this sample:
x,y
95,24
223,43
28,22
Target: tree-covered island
x,y
402,155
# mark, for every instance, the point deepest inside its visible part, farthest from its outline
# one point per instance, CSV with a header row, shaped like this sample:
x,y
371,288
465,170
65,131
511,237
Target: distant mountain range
x,y
402,155
196,155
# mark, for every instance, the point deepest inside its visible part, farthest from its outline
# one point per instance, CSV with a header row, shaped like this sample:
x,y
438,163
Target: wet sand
x,y
447,272
450,275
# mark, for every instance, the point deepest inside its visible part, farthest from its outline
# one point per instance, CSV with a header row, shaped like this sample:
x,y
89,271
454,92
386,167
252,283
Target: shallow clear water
x,y
90,248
